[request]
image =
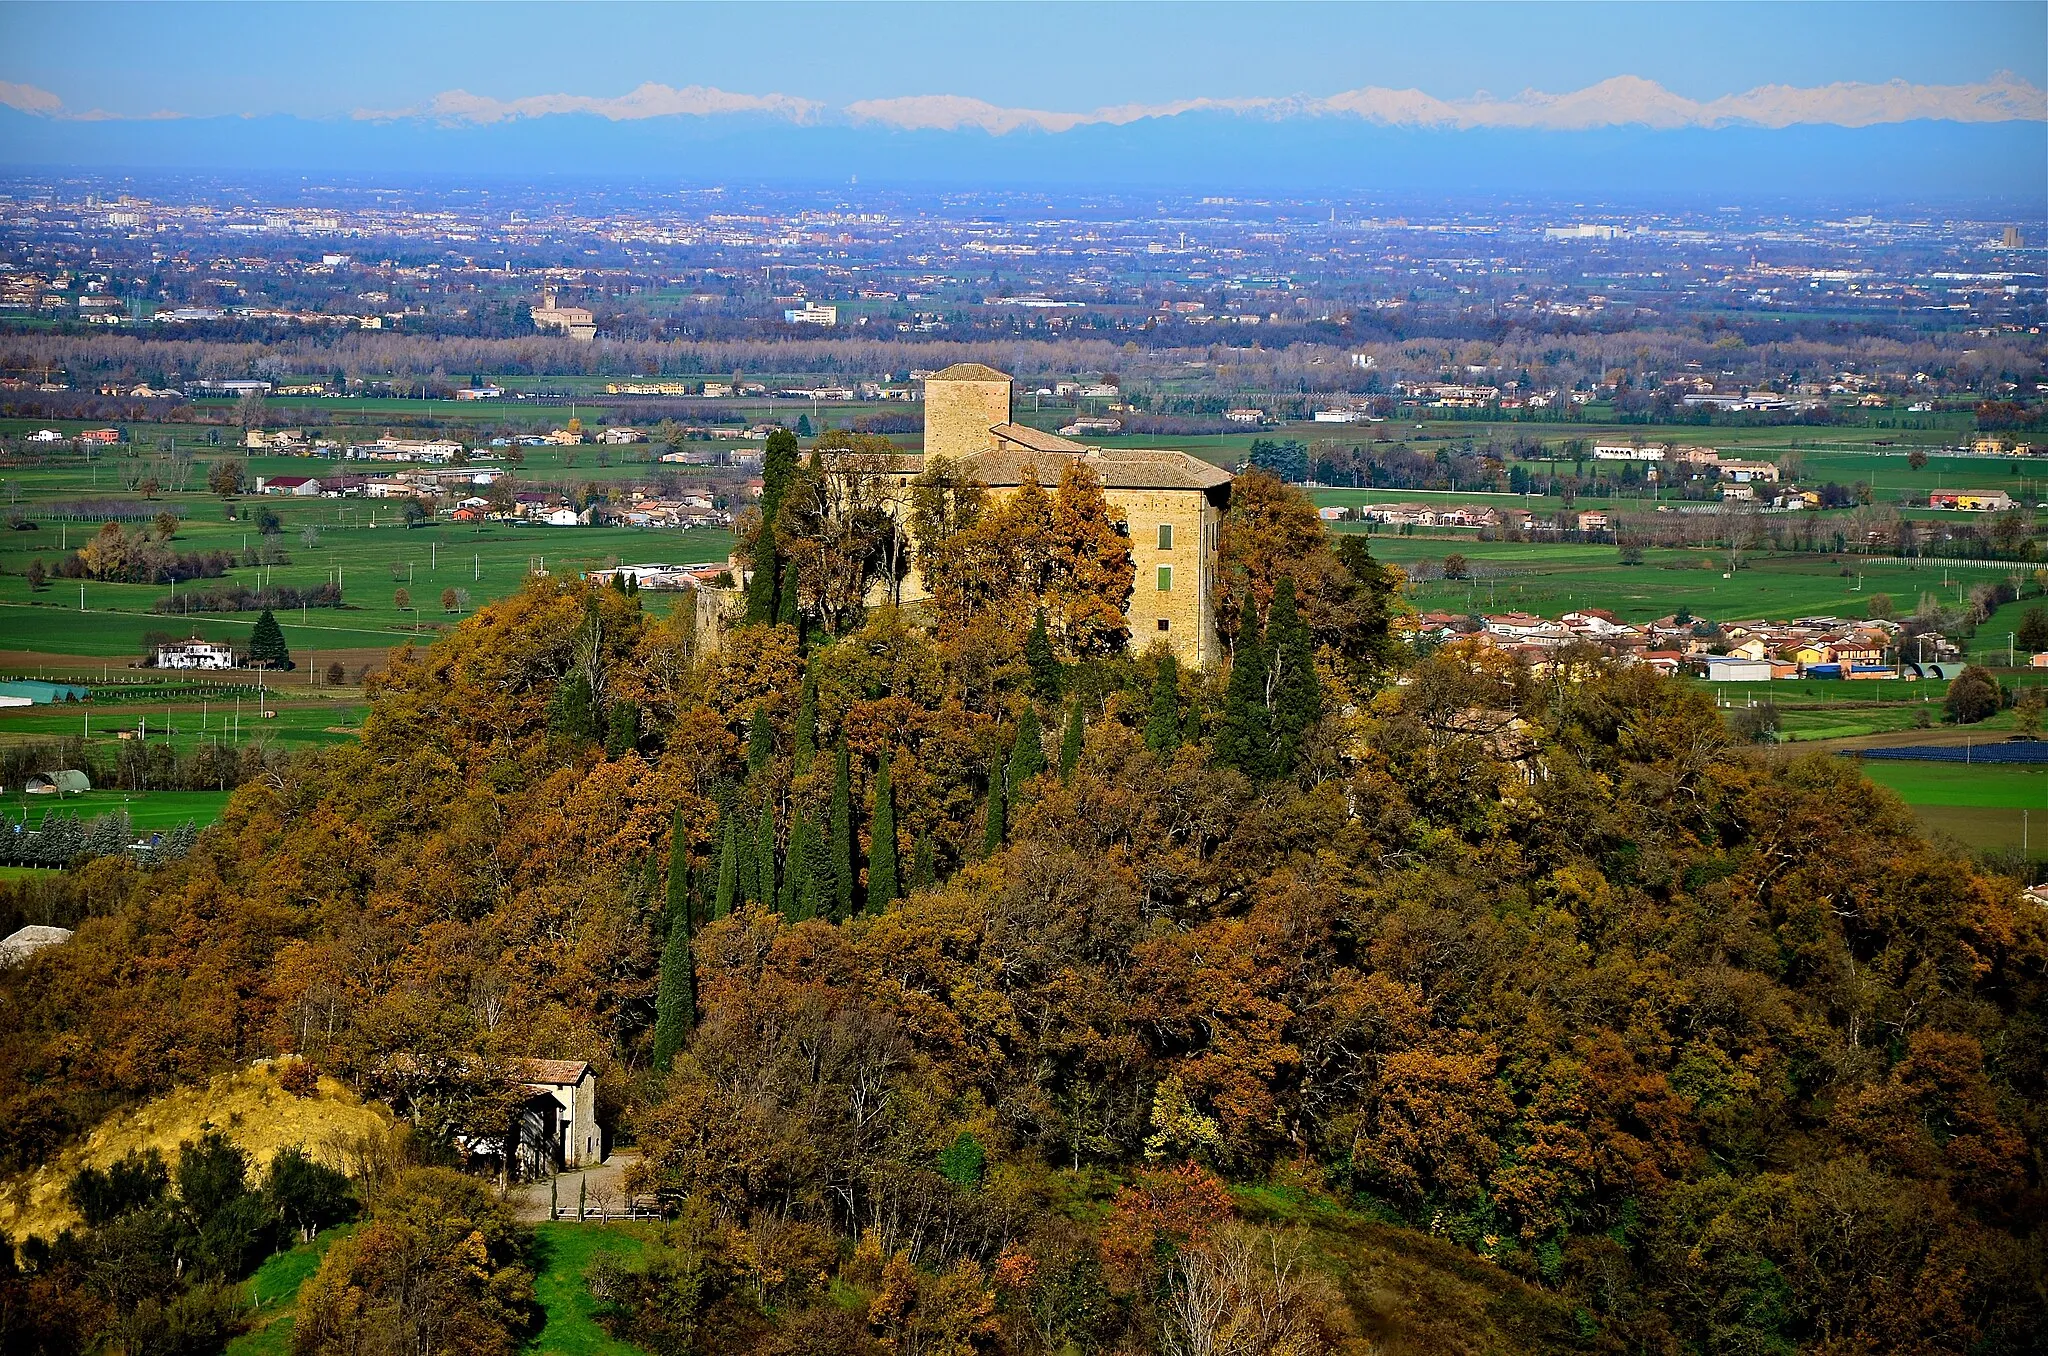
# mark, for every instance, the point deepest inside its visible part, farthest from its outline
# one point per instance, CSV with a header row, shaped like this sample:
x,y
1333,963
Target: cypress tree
x,y
785,606
1027,757
761,586
778,464
1297,691
796,869
267,648
571,717
816,891
764,853
1242,738
807,723
842,866
1162,731
678,868
1044,664
923,871
623,736
760,741
675,994
1070,742
728,870
993,828
1191,728
882,881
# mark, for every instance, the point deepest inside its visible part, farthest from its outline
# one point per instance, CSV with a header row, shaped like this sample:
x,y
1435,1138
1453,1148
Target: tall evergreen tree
x,y
796,868
623,736
1027,756
675,993
728,869
1297,693
1162,730
843,872
1044,664
764,853
816,889
571,716
678,900
1071,740
267,648
778,464
923,870
807,723
760,741
883,886
785,603
1243,738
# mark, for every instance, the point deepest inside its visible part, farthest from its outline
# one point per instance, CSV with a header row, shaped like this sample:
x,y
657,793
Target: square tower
x,y
961,405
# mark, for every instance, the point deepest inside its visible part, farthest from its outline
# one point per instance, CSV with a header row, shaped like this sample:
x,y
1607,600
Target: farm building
x,y
41,693
557,1126
63,782
194,654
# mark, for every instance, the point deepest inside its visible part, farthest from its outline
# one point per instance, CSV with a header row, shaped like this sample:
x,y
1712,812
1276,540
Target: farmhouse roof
x,y
564,1072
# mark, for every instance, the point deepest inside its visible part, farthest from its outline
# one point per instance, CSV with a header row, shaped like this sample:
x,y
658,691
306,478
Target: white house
x,y
561,517
194,654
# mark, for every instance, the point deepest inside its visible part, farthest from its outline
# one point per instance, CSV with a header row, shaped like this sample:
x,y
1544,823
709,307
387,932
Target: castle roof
x,y
969,372
1036,440
1121,468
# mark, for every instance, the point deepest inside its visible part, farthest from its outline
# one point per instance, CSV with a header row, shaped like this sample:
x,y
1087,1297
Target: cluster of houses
x,y
1472,515
1746,651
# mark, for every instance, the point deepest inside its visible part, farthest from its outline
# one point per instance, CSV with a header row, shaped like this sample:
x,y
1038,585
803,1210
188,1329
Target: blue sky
x,y
325,60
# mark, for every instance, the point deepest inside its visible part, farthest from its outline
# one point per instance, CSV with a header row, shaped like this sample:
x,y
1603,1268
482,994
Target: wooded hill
x,y
964,995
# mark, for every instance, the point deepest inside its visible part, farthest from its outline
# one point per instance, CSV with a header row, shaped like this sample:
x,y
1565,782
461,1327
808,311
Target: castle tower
x,y
961,405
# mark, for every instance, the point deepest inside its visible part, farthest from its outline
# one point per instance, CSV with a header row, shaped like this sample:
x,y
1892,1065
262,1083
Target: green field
x,y
299,720
360,543
147,810
1981,805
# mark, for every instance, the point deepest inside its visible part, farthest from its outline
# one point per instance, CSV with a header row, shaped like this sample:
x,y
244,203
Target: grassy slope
x,y
274,1291
1413,1295
564,1251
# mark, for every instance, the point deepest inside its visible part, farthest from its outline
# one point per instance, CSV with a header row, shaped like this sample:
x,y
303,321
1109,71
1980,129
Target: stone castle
x,y
1171,505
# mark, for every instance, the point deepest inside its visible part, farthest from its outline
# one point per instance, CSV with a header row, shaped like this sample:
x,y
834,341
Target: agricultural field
x,y
397,583
148,811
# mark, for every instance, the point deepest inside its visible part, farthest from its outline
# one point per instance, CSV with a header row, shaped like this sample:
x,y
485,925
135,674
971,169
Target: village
x,y
1728,652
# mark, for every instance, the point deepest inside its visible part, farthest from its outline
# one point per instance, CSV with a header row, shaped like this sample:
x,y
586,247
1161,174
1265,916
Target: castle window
x,y
1164,624
1166,578
1166,536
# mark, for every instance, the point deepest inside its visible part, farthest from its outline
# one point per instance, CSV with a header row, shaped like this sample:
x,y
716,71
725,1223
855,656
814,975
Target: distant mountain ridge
x,y
1207,148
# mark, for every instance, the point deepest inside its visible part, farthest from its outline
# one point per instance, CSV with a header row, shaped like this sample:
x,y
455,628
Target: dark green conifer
x,y
675,994
623,736
796,868
764,853
1162,730
785,605
1027,756
728,870
1044,664
1297,693
267,648
760,741
882,876
1243,738
570,717
807,723
1071,740
678,899
842,864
